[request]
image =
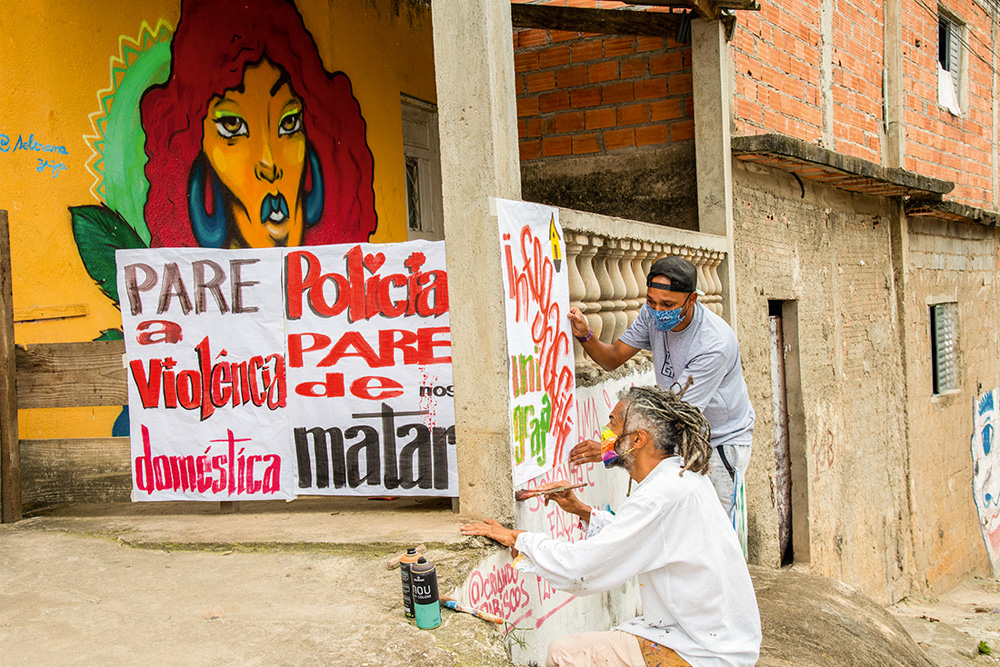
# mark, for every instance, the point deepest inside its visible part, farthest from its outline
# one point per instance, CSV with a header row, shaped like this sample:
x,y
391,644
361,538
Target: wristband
x,y
584,339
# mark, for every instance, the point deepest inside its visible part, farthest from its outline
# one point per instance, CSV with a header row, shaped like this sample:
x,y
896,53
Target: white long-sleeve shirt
x,y
671,533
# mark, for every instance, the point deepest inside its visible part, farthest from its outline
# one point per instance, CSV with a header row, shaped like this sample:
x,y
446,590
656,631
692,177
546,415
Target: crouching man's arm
x,y
567,500
493,530
602,562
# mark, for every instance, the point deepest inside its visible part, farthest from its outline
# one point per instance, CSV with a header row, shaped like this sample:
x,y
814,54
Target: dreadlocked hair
x,y
676,427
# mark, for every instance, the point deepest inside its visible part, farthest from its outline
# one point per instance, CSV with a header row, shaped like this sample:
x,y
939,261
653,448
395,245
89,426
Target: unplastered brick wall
x,y
856,91
784,83
581,93
778,54
939,143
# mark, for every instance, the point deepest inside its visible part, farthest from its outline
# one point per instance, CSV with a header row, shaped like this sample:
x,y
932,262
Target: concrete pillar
x,y
826,71
894,152
713,146
474,69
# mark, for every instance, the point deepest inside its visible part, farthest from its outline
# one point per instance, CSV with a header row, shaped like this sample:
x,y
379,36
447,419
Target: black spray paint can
x,y
426,605
405,561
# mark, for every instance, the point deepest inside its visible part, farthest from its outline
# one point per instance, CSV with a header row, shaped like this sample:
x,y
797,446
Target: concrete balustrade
x,y
608,261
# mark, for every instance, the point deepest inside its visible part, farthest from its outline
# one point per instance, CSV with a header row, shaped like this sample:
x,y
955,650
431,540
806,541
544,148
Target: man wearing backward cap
x,y
688,341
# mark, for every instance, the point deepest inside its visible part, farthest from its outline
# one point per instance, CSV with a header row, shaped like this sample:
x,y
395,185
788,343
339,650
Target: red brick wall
x,y
858,48
580,94
938,144
776,55
777,58
586,94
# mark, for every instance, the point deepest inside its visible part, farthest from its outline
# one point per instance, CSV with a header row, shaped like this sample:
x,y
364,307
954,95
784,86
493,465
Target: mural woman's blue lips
x,y
274,209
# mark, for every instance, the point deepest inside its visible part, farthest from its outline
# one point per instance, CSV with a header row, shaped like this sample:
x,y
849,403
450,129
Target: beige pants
x,y
596,649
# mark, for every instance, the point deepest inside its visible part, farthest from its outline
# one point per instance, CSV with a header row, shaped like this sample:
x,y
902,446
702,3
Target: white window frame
x,y
953,90
421,147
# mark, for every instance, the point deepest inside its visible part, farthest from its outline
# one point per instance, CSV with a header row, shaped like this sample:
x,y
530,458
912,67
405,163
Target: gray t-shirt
x,y
706,350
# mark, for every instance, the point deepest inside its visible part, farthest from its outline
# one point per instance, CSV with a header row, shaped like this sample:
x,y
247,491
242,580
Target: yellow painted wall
x,y
56,57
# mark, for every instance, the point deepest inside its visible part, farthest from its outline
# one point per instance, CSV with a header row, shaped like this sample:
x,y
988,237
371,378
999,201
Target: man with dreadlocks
x,y
688,341
698,602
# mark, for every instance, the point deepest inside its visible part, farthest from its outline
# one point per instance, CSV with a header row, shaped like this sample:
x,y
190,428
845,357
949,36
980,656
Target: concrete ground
x,y
950,628
302,583
306,583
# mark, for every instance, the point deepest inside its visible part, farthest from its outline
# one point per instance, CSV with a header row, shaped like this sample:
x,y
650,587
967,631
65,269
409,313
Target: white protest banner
x,y
369,352
539,344
267,373
206,369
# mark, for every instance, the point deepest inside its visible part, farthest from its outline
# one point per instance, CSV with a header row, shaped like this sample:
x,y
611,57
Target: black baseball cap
x,y
682,274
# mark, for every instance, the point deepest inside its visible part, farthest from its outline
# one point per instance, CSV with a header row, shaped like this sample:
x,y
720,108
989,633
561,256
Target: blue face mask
x,y
665,320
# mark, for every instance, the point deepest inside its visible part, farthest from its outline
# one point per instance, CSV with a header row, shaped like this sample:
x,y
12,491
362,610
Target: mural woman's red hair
x,y
214,42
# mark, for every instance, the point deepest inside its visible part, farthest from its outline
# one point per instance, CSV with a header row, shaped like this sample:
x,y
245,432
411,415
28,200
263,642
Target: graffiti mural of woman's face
x,y
255,141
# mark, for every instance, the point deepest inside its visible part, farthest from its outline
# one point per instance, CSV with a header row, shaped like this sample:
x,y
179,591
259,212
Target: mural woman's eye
x,y
290,123
231,126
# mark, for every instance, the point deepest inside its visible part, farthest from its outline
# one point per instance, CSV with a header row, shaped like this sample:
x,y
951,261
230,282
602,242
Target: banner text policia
x,y
252,345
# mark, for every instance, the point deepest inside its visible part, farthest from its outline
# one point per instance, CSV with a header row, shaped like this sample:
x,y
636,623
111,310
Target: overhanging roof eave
x,y
811,162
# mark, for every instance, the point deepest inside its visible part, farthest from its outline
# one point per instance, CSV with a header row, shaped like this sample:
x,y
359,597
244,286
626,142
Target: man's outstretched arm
x,y
608,356
567,500
493,530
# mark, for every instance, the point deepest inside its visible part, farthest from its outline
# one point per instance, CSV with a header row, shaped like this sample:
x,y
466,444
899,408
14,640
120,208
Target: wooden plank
x,y
706,9
37,313
603,21
10,476
75,470
69,375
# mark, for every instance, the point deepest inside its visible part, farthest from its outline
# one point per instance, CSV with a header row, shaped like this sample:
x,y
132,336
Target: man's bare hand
x,y
493,530
577,322
588,451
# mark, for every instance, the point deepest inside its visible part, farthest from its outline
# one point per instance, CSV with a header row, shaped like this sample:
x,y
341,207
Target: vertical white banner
x,y
206,373
542,380
369,356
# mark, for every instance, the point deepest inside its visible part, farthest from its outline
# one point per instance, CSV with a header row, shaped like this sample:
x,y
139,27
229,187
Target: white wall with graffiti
x,y
986,473
535,613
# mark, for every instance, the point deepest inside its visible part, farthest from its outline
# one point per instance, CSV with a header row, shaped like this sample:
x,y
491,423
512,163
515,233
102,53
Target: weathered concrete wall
x,y
948,263
656,185
831,253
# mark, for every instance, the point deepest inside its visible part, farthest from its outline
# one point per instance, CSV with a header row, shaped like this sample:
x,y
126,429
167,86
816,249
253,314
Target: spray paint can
x,y
426,606
405,561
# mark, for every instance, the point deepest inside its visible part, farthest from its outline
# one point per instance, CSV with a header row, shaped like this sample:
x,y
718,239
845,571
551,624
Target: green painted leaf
x,y
99,231
111,334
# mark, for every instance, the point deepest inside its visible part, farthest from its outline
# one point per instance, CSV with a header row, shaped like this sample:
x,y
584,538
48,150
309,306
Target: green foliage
x,y
985,649
99,232
515,636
